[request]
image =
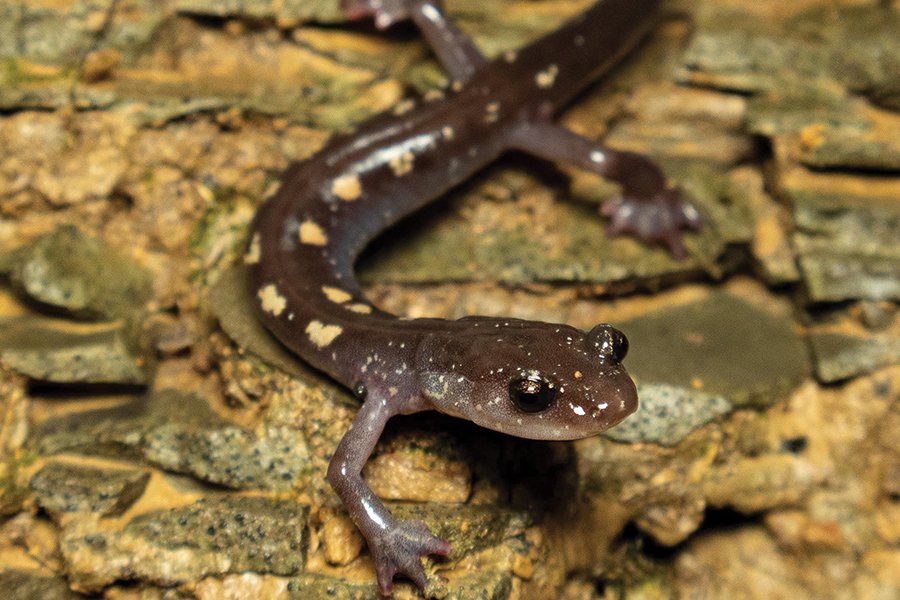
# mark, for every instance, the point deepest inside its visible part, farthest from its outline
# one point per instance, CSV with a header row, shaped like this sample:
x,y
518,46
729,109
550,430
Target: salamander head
x,y
528,379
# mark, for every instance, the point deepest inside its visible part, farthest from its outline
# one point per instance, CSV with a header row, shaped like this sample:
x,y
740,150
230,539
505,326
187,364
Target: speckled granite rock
x,y
24,585
66,488
212,536
181,433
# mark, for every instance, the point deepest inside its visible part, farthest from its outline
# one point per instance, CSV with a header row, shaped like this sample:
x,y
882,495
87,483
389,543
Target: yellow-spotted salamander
x,y
524,378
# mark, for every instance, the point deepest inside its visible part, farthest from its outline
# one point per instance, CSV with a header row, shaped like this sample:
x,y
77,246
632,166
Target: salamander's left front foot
x,y
661,218
399,548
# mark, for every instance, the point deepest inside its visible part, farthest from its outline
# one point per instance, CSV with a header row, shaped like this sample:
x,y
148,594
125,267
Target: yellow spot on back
x,y
448,132
310,233
322,335
578,375
270,300
347,187
404,107
547,77
336,295
253,252
402,164
359,307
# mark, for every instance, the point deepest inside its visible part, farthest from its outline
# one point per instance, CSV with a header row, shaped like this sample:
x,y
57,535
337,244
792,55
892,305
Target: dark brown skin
x,y
529,379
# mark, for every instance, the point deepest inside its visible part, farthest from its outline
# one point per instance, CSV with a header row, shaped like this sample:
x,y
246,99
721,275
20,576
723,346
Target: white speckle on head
x,y
322,335
253,251
336,295
546,78
577,410
347,187
271,300
598,157
311,233
392,391
402,163
448,132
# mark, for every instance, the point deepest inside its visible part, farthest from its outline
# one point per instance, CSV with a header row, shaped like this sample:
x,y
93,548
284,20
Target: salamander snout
x,y
609,343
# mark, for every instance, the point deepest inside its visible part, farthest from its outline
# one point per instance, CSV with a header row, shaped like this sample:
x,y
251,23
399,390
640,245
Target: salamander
x,y
523,378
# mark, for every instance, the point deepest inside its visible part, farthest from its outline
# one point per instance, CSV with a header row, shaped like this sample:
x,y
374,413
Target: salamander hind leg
x,y
647,206
657,218
385,12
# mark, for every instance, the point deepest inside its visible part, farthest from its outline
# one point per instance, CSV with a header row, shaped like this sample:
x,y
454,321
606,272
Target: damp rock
x,y
468,528
722,347
213,536
419,468
845,345
667,414
57,351
28,585
80,275
183,434
62,487
846,234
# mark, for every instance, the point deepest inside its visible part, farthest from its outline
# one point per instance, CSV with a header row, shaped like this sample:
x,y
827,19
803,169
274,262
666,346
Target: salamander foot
x,y
659,219
385,12
400,549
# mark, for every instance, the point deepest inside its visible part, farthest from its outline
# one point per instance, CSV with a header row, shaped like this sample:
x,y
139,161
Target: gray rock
x,y
667,414
64,488
81,275
720,348
53,351
212,536
182,434
24,585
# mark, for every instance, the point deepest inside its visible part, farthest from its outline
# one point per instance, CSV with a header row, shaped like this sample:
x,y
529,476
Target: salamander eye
x,y
608,342
531,392
620,346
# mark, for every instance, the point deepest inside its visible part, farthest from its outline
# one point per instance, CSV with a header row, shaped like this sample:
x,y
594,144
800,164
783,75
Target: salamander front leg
x,y
646,207
396,546
453,47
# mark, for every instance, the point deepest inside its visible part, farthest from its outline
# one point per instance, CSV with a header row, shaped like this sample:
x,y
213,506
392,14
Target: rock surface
x,y
155,442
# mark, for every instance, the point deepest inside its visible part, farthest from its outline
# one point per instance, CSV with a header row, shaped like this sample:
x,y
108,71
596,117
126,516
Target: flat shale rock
x,y
223,535
66,488
25,585
721,346
849,342
80,275
57,351
182,434
847,234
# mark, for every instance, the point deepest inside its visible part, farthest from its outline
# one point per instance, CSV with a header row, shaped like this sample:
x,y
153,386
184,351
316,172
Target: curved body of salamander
x,y
528,379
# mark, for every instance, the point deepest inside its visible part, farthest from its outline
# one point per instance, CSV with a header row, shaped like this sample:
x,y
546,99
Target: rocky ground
x,y
156,443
